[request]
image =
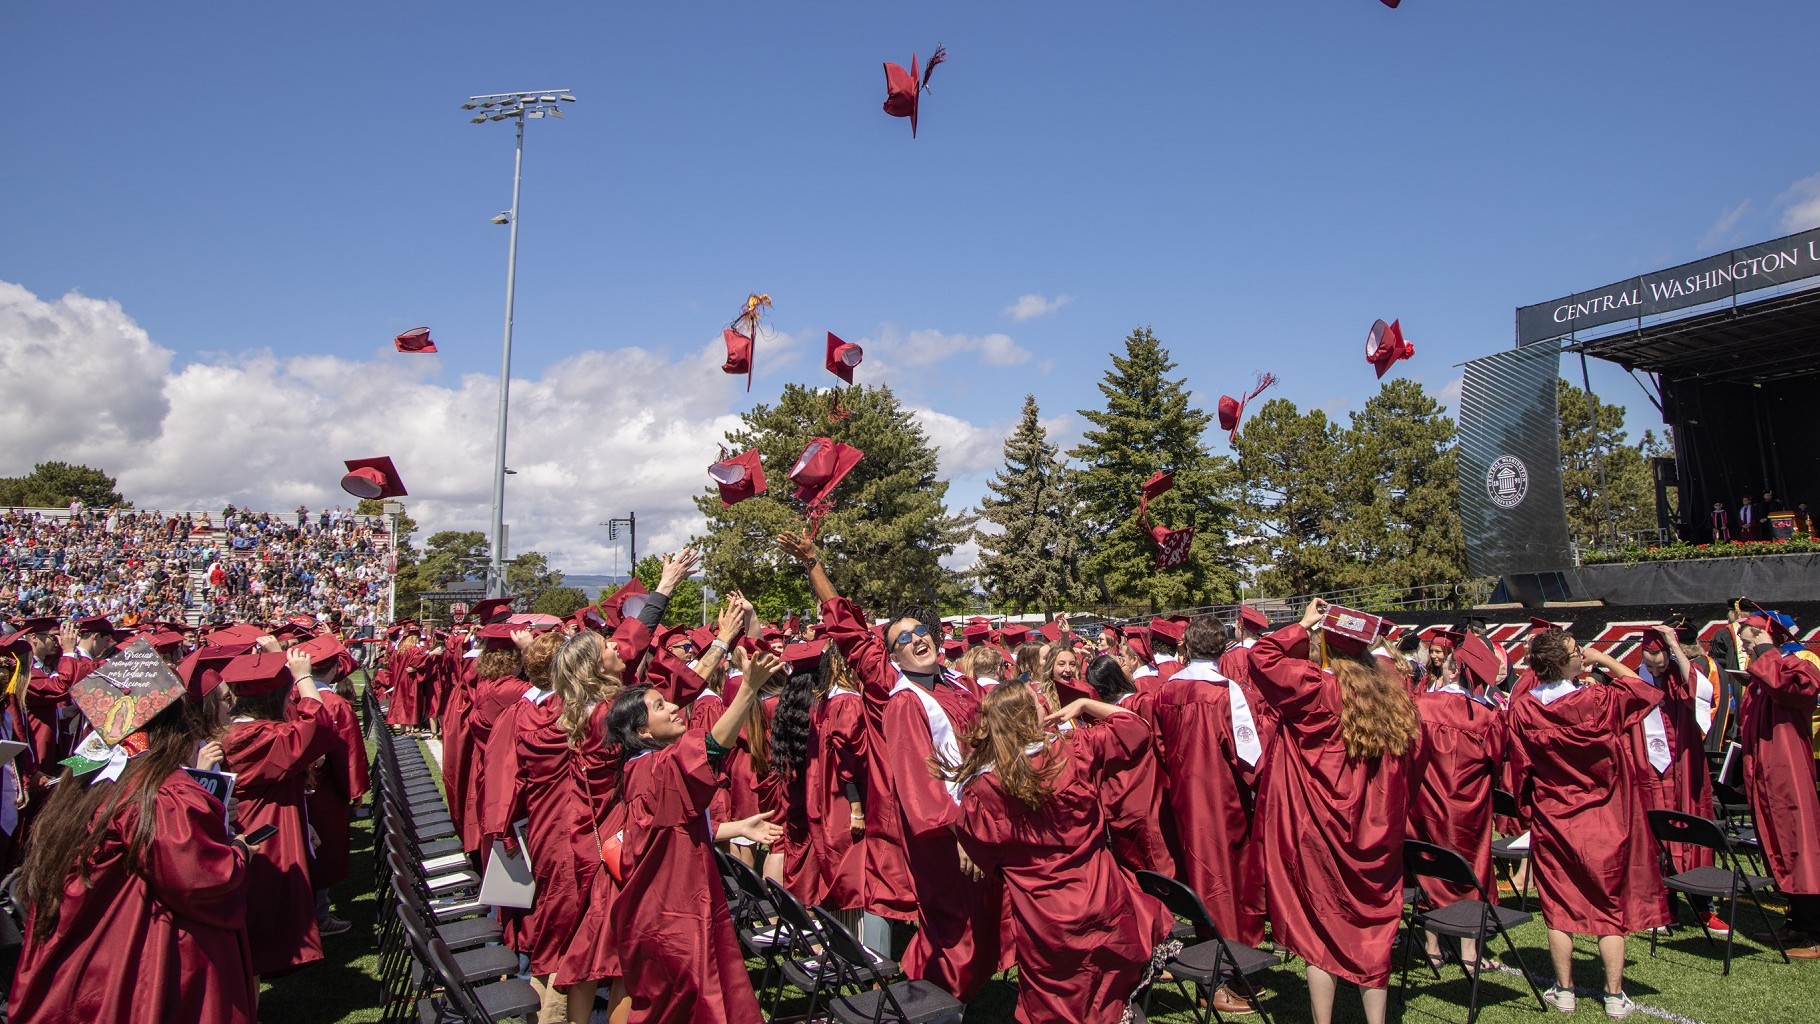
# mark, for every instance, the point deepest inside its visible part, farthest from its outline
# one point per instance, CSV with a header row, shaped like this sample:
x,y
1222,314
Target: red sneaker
x,y
1717,925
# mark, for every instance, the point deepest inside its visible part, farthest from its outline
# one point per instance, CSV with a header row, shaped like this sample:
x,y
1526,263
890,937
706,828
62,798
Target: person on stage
x,y
1335,806
1593,853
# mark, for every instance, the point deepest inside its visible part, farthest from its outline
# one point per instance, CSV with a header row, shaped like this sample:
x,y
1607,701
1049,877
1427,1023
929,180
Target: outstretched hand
x,y
757,828
677,568
797,545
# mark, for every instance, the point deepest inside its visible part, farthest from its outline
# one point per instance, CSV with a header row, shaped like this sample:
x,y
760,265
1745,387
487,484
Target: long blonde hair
x,y
578,678
1377,715
1008,724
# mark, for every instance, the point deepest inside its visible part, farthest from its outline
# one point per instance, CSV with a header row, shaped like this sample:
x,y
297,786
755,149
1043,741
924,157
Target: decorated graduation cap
x,y
373,478
1172,546
843,357
1232,410
739,477
902,89
1348,630
417,339
624,603
1384,345
125,691
588,617
739,354
822,466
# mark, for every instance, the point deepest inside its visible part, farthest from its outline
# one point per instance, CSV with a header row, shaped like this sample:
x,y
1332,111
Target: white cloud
x,y
1801,205
597,435
1031,306
1721,233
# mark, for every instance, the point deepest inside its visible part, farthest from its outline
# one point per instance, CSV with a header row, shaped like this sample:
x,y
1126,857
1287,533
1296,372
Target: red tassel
x,y
940,54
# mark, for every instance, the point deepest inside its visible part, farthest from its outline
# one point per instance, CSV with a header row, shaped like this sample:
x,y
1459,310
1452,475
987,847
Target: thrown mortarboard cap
x,y
822,466
843,357
417,339
625,603
491,610
1172,546
372,478
739,478
257,674
739,355
1232,410
1384,345
1252,620
903,91
589,617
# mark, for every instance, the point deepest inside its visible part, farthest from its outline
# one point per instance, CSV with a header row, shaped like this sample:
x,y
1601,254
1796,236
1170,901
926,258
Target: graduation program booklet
x,y
508,881
221,784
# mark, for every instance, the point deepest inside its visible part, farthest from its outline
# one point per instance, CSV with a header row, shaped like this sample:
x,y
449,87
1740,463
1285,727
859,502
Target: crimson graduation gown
x,y
1775,726
1590,844
340,780
1332,825
837,761
682,960
1085,930
561,831
270,762
485,702
1462,753
1133,799
166,945
1687,784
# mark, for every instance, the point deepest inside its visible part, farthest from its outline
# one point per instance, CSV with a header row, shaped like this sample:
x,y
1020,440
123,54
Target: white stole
x,y
1244,725
941,730
1655,729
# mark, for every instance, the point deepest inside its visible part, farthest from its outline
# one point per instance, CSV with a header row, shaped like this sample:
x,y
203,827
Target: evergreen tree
x,y
56,484
889,528
529,577
560,602
1293,477
1401,488
1029,562
1626,503
1149,425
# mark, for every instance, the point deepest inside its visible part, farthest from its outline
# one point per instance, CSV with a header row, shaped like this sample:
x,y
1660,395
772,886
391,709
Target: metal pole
x,y
391,597
632,521
496,577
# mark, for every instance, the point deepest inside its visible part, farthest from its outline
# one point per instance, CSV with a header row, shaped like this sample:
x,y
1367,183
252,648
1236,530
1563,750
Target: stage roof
x,y
1751,343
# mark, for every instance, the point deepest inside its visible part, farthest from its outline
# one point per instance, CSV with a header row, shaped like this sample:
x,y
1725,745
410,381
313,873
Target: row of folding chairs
x,y
441,960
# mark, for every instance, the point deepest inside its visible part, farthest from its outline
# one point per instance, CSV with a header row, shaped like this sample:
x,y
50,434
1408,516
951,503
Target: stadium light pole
x,y
515,107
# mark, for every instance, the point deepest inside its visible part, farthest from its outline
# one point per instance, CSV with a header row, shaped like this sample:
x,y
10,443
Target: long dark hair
x,y
77,816
790,722
627,715
1108,678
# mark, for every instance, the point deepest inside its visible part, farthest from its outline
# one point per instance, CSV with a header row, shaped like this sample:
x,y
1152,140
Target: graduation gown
x,y
1085,930
47,698
958,941
837,764
270,762
1687,784
166,945
485,702
1132,797
565,850
501,804
1212,796
339,780
1462,756
1776,729
1590,846
457,752
1332,826
683,963
405,709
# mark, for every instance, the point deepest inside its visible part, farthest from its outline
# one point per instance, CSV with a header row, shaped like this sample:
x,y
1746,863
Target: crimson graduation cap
x,y
739,478
417,339
1158,485
1385,345
1232,410
903,91
739,334
372,478
1172,546
822,465
842,357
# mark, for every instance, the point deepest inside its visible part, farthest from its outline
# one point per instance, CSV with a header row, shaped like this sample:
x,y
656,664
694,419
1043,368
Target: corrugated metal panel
x,y
1511,503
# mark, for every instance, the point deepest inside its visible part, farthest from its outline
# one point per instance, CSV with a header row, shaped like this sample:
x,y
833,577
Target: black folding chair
x,y
1727,883
1212,960
460,1000
1504,804
754,918
1464,919
878,999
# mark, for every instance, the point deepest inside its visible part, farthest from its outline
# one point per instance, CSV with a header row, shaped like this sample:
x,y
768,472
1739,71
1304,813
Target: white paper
x,y
1519,843
508,881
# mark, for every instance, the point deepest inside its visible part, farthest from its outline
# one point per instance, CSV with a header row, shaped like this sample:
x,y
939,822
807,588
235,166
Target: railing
x,y
1424,597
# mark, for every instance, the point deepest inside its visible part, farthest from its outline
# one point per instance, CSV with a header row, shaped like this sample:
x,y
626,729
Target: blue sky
x,y
270,193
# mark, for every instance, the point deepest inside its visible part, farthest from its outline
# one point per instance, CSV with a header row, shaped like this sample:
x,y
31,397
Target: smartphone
x,y
259,835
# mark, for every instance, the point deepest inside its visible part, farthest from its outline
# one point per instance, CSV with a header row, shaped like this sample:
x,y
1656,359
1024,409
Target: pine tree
x,y
1293,470
1401,486
1149,425
1626,503
1029,561
890,526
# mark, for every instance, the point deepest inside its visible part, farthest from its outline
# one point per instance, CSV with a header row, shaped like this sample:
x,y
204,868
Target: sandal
x,y
1486,963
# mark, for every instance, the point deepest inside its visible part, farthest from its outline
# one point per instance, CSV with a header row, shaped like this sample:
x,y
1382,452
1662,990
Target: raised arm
x,y
756,670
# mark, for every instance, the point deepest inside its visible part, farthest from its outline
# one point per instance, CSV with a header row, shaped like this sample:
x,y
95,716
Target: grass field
x,y
1682,983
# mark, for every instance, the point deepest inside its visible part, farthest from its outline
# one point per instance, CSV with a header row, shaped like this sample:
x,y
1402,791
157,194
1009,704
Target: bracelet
x,y
718,642
812,563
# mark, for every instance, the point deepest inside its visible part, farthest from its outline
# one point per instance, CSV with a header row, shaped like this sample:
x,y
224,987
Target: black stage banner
x,y
1511,504
1713,279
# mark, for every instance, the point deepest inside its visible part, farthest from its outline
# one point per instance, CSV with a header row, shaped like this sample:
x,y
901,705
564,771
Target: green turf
x,y
1684,979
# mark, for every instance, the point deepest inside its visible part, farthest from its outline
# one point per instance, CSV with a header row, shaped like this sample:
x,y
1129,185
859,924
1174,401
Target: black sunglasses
x,y
903,638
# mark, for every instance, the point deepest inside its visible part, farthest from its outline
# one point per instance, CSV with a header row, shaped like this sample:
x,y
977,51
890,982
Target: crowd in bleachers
x,y
135,565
